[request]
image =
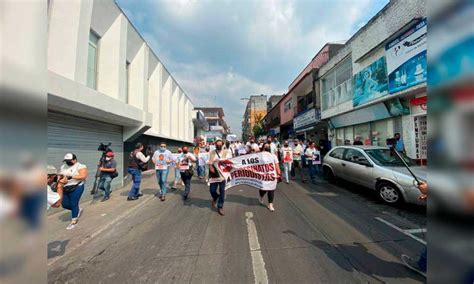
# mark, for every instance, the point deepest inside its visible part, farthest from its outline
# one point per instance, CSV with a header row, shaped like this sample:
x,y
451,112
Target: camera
x,y
104,148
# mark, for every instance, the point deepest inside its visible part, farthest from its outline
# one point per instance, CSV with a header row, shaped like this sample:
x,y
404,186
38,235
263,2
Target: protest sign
x,y
287,155
257,170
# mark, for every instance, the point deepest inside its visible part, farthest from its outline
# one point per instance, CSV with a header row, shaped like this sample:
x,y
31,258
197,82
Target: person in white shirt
x,y
202,163
136,163
298,152
270,193
185,162
313,157
55,185
162,158
177,172
273,146
287,159
215,180
76,174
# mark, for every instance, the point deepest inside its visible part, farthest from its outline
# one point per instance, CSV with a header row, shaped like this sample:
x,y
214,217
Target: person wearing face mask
x,y
76,174
107,172
202,162
270,193
216,182
287,159
162,158
186,161
177,172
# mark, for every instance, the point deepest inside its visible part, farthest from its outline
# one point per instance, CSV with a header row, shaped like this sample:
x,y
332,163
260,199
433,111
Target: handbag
x,y
70,188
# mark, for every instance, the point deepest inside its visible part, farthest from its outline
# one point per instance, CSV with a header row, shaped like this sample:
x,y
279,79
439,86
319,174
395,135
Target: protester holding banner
x,y
313,156
216,181
185,161
287,159
270,193
162,158
297,162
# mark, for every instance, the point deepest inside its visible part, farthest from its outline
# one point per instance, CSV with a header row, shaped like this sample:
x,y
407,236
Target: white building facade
x,y
376,85
107,85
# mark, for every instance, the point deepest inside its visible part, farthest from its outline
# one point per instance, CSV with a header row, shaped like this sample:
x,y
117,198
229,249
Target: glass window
x,y
287,106
349,134
386,157
381,131
336,86
337,153
352,155
362,133
92,61
340,136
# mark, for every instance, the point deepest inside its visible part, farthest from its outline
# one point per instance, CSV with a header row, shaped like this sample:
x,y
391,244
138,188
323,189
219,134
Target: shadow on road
x,y
57,248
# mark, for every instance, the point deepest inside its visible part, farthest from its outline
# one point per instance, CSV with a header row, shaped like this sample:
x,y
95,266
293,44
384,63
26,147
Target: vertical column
x,y
174,111
112,59
138,81
68,38
165,99
154,98
182,111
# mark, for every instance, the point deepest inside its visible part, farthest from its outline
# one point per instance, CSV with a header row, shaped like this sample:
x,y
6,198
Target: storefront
x,y
308,126
415,128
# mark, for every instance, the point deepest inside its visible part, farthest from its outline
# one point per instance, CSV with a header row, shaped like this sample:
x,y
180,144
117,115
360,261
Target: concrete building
x,y
255,110
218,127
273,101
385,90
271,121
107,85
201,126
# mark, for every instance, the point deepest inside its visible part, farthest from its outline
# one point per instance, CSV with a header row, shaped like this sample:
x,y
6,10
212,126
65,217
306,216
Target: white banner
x,y
257,170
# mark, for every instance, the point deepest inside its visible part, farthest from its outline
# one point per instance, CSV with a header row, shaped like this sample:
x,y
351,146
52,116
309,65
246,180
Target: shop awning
x,y
298,131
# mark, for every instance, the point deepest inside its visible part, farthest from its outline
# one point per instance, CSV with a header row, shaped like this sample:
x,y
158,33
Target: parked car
x,y
377,168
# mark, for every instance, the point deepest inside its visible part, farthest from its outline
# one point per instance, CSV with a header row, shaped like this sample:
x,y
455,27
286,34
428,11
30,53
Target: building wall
x,y
152,91
287,116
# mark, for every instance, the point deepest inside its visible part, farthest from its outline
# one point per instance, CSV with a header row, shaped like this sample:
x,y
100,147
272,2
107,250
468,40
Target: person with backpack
x,y
108,171
137,162
185,162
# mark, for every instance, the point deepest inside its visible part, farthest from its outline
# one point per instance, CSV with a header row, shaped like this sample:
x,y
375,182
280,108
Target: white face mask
x,y
108,158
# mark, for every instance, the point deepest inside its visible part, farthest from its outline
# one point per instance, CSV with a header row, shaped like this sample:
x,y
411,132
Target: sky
x,y
220,51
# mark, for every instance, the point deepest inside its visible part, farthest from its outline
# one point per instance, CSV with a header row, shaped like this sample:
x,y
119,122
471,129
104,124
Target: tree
x,y
258,129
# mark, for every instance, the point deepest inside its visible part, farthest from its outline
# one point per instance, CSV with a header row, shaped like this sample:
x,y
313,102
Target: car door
x,y
354,171
336,158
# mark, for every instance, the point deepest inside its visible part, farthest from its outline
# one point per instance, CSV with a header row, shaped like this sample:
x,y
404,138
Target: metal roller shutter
x,y
81,136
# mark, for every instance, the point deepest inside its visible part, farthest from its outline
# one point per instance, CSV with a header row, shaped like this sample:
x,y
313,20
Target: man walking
x,y
185,162
314,160
162,158
297,162
108,171
215,180
177,172
287,159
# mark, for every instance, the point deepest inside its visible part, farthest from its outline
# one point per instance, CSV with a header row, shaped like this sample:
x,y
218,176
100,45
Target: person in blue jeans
x,y
185,161
136,159
76,174
162,158
215,180
313,157
106,171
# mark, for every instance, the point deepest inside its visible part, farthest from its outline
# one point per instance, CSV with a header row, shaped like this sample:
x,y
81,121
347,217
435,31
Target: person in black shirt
x,y
107,173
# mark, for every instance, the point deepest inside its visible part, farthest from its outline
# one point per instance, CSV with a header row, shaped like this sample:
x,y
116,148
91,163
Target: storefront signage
x,y
406,58
308,117
371,113
371,83
275,131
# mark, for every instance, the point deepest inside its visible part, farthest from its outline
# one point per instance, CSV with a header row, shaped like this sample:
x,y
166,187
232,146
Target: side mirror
x,y
363,161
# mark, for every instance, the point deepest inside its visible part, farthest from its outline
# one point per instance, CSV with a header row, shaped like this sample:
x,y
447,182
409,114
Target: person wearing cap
x,y
107,170
215,180
55,185
76,174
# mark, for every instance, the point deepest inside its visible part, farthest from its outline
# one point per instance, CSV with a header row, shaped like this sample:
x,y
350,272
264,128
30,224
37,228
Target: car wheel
x,y
329,174
389,193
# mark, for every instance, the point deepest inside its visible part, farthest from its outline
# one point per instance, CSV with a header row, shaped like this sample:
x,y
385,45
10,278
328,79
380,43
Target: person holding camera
x,y
108,171
76,174
137,162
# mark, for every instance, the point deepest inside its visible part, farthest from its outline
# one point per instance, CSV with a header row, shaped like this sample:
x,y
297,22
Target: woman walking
x,y
76,174
270,193
216,182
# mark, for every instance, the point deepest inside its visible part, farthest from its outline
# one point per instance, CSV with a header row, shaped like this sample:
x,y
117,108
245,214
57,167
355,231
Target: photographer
x,y
76,174
136,164
108,171
55,184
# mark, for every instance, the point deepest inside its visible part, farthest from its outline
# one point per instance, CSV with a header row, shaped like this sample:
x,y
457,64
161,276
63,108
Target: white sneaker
x,y
270,207
72,225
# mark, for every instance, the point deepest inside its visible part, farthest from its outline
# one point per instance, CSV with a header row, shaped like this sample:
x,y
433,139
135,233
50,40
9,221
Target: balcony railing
x,y
337,95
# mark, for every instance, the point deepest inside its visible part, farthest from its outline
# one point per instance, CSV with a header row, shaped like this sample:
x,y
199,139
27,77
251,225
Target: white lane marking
x,y
401,230
259,272
415,231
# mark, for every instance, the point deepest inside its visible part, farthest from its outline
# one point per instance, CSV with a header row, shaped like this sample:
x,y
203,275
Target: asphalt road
x,y
318,233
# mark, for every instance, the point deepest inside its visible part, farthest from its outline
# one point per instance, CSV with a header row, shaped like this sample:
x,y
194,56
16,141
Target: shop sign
x,y
406,58
372,113
308,117
371,83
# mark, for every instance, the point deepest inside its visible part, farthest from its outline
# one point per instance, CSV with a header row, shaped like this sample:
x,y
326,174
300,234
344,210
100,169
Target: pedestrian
x,y
162,158
216,182
287,158
420,265
399,145
185,162
108,171
76,174
177,171
136,163
313,157
273,146
357,141
297,162
55,184
270,193
202,163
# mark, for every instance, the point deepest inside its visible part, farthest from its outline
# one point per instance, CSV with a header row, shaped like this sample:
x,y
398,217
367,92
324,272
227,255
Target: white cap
x,y
69,156
51,170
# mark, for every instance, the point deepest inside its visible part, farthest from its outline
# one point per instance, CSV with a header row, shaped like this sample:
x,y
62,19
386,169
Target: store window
x,y
381,131
336,85
340,136
92,61
349,134
362,132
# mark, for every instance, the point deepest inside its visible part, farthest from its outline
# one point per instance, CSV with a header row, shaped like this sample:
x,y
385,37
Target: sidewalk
x,y
96,217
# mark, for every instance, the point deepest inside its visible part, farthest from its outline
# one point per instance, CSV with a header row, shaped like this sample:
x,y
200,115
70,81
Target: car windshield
x,y
385,157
